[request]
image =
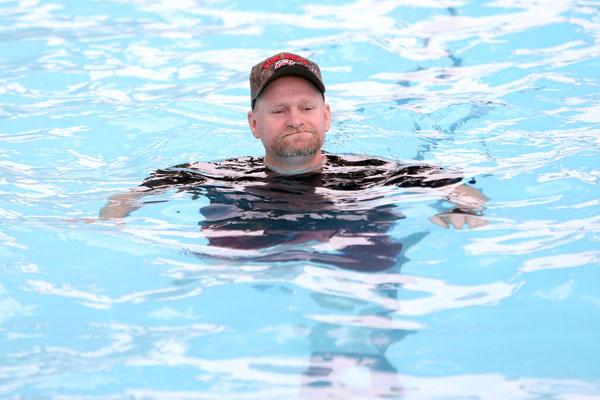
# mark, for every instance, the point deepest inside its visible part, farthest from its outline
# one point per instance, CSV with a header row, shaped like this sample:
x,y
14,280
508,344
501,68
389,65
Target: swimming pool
x,y
96,95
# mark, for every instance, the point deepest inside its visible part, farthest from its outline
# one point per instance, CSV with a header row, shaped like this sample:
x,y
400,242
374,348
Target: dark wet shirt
x,y
336,216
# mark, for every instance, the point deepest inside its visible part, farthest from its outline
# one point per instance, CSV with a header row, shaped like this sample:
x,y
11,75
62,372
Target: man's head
x,y
289,114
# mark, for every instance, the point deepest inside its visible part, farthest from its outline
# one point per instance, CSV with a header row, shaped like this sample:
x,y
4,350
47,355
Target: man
x,y
316,205
299,204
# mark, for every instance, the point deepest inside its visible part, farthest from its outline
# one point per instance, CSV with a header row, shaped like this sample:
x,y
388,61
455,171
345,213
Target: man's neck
x,y
296,166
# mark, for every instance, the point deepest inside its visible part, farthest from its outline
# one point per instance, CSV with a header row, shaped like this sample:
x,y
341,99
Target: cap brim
x,y
292,70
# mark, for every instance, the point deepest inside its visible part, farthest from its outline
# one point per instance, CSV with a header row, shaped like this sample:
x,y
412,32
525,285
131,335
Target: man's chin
x,y
297,153
296,147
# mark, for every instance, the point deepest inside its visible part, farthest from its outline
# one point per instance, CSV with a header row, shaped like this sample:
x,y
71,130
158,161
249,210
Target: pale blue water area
x,y
95,95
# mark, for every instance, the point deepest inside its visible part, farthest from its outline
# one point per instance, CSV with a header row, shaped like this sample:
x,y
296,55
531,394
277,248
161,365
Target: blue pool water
x,y
95,95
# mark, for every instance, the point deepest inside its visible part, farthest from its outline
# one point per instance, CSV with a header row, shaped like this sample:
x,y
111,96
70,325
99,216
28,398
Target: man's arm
x,y
122,204
470,204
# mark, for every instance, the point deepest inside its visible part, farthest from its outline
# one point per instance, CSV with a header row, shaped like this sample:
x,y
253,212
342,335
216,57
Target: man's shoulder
x,y
373,170
229,167
357,160
201,171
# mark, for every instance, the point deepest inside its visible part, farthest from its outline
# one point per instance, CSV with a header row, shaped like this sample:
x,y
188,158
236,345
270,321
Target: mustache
x,y
293,131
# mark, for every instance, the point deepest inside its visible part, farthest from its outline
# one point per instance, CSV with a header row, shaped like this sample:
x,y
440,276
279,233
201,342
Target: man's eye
x,y
308,108
276,111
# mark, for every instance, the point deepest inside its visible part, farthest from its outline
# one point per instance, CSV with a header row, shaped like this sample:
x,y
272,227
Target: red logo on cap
x,y
283,56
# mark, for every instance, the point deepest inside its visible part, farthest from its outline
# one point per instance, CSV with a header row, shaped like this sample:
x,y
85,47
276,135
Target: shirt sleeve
x,y
179,175
422,176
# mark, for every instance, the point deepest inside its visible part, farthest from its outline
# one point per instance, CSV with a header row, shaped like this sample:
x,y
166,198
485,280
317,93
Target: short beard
x,y
307,148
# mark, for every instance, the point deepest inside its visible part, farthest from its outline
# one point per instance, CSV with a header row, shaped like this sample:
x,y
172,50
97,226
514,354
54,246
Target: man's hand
x,y
458,220
470,204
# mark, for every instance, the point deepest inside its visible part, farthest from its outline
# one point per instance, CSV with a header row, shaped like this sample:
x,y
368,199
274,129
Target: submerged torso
x,y
337,216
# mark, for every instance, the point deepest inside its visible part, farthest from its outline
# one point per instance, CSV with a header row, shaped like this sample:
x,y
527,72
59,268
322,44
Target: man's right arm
x,y
122,204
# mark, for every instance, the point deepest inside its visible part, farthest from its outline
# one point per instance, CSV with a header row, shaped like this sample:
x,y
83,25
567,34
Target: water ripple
x,y
528,237
92,99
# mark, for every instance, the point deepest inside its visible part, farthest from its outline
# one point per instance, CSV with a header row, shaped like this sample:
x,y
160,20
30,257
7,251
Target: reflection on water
x,y
337,218
174,304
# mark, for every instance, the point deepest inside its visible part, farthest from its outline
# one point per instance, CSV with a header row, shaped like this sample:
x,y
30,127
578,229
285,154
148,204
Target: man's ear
x,y
252,124
327,117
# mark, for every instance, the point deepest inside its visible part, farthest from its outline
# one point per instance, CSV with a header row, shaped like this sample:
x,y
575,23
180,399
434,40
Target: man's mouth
x,y
296,133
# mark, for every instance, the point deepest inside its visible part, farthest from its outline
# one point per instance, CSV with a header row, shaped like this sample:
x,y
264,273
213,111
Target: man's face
x,y
290,118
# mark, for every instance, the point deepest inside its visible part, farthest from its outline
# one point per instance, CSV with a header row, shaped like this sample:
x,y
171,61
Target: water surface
x,y
94,96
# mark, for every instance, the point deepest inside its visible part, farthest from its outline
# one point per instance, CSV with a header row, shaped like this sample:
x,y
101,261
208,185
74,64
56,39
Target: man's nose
x,y
295,118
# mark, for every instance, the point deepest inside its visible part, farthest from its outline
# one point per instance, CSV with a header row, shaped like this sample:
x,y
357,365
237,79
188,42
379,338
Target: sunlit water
x,y
96,95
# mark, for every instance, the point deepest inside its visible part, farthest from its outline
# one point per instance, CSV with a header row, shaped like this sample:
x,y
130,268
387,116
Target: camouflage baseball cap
x,y
283,64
